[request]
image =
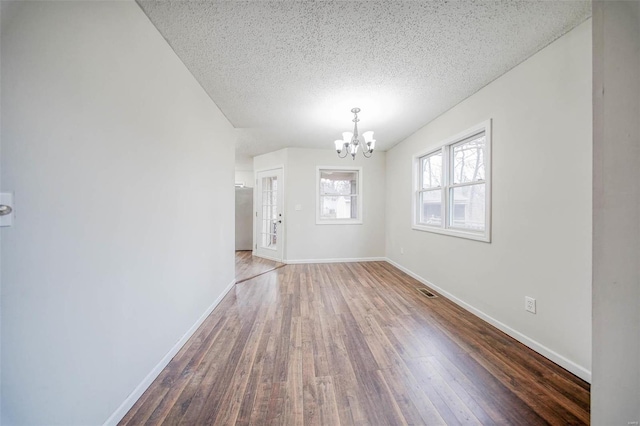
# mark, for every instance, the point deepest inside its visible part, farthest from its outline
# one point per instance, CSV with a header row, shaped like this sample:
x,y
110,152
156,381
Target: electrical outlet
x,y
530,304
401,250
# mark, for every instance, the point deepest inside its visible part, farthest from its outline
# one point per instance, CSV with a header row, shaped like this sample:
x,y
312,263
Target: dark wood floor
x,y
354,343
248,266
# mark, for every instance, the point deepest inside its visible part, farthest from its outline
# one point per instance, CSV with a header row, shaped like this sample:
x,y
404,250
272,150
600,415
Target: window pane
x,y
432,171
431,207
338,182
468,210
269,183
338,207
468,160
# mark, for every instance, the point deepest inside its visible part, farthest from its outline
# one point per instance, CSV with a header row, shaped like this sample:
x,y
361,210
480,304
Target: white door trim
x,y
279,257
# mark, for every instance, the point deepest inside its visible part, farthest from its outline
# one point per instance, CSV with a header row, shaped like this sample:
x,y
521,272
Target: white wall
x,y
0,232
246,177
615,393
541,227
120,163
270,160
244,170
307,241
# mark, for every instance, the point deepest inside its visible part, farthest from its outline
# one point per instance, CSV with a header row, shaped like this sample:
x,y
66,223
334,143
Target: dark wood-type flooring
x,y
354,343
248,266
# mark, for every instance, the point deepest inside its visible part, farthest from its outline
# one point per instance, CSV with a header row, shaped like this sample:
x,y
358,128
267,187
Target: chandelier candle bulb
x,y
350,141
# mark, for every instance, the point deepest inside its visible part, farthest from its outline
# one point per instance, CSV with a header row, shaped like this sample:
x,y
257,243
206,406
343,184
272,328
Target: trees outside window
x,y
339,196
452,186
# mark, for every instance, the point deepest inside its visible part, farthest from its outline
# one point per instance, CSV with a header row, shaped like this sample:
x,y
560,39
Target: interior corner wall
x,y
120,164
615,391
306,241
270,160
245,177
541,204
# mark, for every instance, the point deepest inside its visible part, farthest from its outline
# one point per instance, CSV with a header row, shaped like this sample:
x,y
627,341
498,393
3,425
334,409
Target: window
x,y
339,195
452,186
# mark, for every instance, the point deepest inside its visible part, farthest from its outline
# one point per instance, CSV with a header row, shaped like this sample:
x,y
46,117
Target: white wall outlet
x,y
298,207
530,304
401,250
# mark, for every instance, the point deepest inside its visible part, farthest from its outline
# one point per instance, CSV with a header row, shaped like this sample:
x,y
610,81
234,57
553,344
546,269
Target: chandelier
x,y
350,141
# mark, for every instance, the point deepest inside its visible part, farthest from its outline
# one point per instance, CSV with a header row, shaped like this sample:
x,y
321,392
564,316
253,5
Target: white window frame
x,y
446,147
359,196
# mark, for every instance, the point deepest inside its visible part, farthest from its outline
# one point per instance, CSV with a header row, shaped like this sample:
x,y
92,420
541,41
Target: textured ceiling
x,y
287,73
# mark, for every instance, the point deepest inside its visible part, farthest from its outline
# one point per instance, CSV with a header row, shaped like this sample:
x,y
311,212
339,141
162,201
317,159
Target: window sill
x,y
338,222
454,233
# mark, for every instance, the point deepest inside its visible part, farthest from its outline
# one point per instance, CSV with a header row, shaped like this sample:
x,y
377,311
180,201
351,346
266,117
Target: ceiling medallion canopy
x,y
350,141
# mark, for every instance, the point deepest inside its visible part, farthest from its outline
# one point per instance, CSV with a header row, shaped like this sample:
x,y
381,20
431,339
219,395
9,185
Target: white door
x,y
269,226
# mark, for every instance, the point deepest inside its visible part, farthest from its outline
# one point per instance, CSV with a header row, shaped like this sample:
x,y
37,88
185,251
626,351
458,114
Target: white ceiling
x,y
287,73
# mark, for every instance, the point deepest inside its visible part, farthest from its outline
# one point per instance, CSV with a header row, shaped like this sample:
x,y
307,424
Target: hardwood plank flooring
x,y
249,266
354,344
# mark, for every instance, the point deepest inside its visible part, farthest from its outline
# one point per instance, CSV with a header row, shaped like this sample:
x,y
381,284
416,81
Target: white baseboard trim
x,y
126,405
275,259
563,362
342,260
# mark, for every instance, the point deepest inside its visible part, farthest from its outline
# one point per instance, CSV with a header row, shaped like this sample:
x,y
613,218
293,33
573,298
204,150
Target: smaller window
x,y
339,198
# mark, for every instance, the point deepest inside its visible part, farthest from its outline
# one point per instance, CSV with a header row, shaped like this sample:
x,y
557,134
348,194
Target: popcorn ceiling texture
x,y
287,73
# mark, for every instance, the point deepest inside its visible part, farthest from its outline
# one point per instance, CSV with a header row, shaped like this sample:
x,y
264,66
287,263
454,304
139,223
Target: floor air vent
x,y
425,292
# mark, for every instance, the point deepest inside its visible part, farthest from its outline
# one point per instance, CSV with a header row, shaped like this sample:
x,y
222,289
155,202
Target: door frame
x,y
257,202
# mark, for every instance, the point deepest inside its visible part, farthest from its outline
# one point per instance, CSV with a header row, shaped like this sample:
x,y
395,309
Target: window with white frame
x,y
339,195
452,192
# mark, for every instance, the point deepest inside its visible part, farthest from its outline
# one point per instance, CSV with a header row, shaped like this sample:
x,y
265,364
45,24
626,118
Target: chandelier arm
x,y
365,153
345,154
